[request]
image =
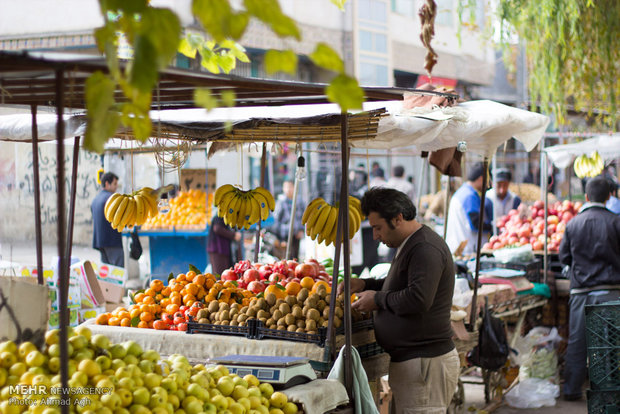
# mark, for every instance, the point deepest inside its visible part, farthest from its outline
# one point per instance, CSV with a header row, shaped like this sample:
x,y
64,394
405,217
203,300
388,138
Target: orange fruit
x,y
192,289
159,297
209,283
189,298
157,285
165,302
280,294
166,291
146,316
134,313
149,300
177,287
190,275
307,282
143,324
321,283
125,322
201,293
292,288
176,300
139,297
160,325
181,277
199,280
172,308
150,292
150,324
102,319
229,284
114,321
123,315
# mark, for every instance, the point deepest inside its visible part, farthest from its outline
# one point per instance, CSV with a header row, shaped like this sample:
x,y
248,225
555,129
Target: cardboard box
x,y
24,310
109,307
54,320
92,295
89,313
196,179
110,274
112,293
50,276
74,300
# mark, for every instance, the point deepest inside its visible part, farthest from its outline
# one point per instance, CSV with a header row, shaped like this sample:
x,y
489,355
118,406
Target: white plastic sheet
x,y
608,147
18,127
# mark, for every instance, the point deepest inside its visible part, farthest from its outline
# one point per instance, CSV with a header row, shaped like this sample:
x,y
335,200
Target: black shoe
x,y
572,397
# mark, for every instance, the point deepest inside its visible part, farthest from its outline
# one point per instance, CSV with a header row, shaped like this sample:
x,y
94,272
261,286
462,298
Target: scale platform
x,y
281,372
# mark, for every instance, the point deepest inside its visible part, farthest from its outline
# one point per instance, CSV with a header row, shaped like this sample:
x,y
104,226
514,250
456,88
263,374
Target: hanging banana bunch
x,y
130,209
241,209
321,219
591,166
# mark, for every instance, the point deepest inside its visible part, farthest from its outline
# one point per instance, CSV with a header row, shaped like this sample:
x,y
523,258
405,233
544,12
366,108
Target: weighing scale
x,y
281,372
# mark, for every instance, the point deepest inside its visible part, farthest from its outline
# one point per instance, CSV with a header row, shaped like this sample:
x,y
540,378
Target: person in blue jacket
x,y
108,241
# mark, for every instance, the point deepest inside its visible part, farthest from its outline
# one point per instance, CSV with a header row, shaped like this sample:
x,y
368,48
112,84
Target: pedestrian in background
x,y
220,245
107,240
591,250
398,182
282,218
501,197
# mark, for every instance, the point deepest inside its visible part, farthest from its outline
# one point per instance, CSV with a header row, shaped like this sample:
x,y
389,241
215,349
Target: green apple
x,y
139,382
245,402
84,353
12,380
156,400
209,408
200,380
159,410
215,373
181,394
100,341
255,391
18,369
53,365
3,374
84,331
126,396
152,380
139,409
127,383
160,391
169,384
132,348
112,400
278,399
150,355
121,411
213,392
199,367
275,411
174,400
262,409
131,359
35,359
236,408
254,401
78,342
251,380
104,410
290,408
220,402
53,350
25,348
117,363
106,383
141,395
52,336
7,359
194,407
240,392
89,367
240,381
180,411
266,389
8,346
146,366
117,351
104,362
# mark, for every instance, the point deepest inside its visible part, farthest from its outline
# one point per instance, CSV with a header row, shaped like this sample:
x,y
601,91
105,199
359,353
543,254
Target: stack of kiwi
x,y
306,312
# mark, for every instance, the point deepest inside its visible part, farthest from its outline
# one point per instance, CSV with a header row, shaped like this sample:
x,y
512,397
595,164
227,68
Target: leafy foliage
x,y
573,54
154,36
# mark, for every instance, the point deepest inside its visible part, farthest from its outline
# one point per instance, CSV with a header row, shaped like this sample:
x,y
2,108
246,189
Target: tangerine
x,y
125,322
139,297
181,277
143,324
146,316
102,319
307,282
134,313
189,276
280,293
199,280
321,283
160,325
114,321
150,292
157,285
292,288
149,300
172,308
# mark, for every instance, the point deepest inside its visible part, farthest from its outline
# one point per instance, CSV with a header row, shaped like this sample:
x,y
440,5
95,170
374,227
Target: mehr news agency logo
x,y
52,396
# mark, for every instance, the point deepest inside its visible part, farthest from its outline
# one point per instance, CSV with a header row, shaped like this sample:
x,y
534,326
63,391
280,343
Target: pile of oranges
x,y
190,209
184,290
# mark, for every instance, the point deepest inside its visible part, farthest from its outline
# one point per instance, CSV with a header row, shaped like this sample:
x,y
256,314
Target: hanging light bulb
x,y
163,205
300,173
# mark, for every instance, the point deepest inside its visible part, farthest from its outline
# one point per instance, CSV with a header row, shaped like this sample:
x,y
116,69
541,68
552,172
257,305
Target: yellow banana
x,y
150,201
314,215
354,222
111,205
309,209
120,211
230,215
219,193
268,197
334,232
320,221
225,202
255,212
128,214
141,209
263,204
329,224
241,214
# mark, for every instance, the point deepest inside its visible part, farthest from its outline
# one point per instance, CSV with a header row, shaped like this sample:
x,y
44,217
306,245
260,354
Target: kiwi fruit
x,y
234,323
251,312
311,302
284,308
301,323
270,298
263,320
203,320
202,314
242,323
225,315
291,300
300,330
277,314
224,306
302,295
291,328
339,312
337,322
320,321
313,314
233,312
261,314
325,324
321,304
326,312
242,318
244,309
310,325
225,322
328,299
311,332
213,307
281,328
270,322
262,303
305,310
289,319
282,322
279,302
297,312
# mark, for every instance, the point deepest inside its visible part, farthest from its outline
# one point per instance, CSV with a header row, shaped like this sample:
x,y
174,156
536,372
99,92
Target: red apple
x,y
524,231
276,277
551,228
537,245
553,219
251,275
513,240
539,204
228,274
541,213
567,216
292,264
304,270
524,240
256,287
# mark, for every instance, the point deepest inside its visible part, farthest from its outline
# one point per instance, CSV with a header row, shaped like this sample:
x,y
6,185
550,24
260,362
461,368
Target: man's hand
x,y
237,236
299,235
357,285
365,301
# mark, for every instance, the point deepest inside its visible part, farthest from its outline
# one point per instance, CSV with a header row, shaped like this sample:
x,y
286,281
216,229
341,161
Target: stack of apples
x,y
527,226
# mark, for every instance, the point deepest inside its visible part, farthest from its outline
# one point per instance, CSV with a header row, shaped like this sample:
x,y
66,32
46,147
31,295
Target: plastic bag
x,y
533,393
515,254
462,293
537,354
492,349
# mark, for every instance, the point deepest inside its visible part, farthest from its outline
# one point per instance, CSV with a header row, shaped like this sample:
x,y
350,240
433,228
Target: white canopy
x,y
482,125
608,147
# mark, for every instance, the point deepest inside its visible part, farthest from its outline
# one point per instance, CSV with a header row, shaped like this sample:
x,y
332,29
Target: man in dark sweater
x,y
412,305
591,249
108,241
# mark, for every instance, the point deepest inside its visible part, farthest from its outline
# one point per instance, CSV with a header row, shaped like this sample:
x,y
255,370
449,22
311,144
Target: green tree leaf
x,y
280,61
204,98
163,28
327,58
124,6
346,92
194,269
102,118
187,49
227,97
269,12
144,72
226,61
339,3
215,16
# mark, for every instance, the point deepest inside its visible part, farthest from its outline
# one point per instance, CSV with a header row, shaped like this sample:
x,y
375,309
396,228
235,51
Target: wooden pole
x,y
474,313
73,189
263,164
63,274
37,193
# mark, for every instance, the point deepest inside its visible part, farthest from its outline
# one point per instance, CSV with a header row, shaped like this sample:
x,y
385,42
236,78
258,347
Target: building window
x,y
373,10
404,7
373,74
373,42
444,12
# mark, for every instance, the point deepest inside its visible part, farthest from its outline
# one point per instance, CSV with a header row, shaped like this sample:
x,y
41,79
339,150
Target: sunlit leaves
x,y
219,19
218,57
102,118
269,12
339,3
163,28
204,98
346,92
327,58
281,61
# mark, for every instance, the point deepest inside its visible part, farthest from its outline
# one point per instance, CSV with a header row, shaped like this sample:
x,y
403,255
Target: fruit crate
x,y
247,331
265,333
604,401
532,269
357,326
603,341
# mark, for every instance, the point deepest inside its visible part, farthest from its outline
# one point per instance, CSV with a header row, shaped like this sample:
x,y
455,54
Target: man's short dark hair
x,y
398,171
388,203
597,189
108,178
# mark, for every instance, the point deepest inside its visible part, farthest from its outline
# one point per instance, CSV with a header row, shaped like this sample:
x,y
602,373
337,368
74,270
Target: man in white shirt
x,y
400,183
502,198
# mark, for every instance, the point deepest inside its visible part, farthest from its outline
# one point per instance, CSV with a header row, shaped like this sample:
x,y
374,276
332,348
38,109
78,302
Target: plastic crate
x,y
603,340
247,331
532,269
264,333
604,401
357,326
